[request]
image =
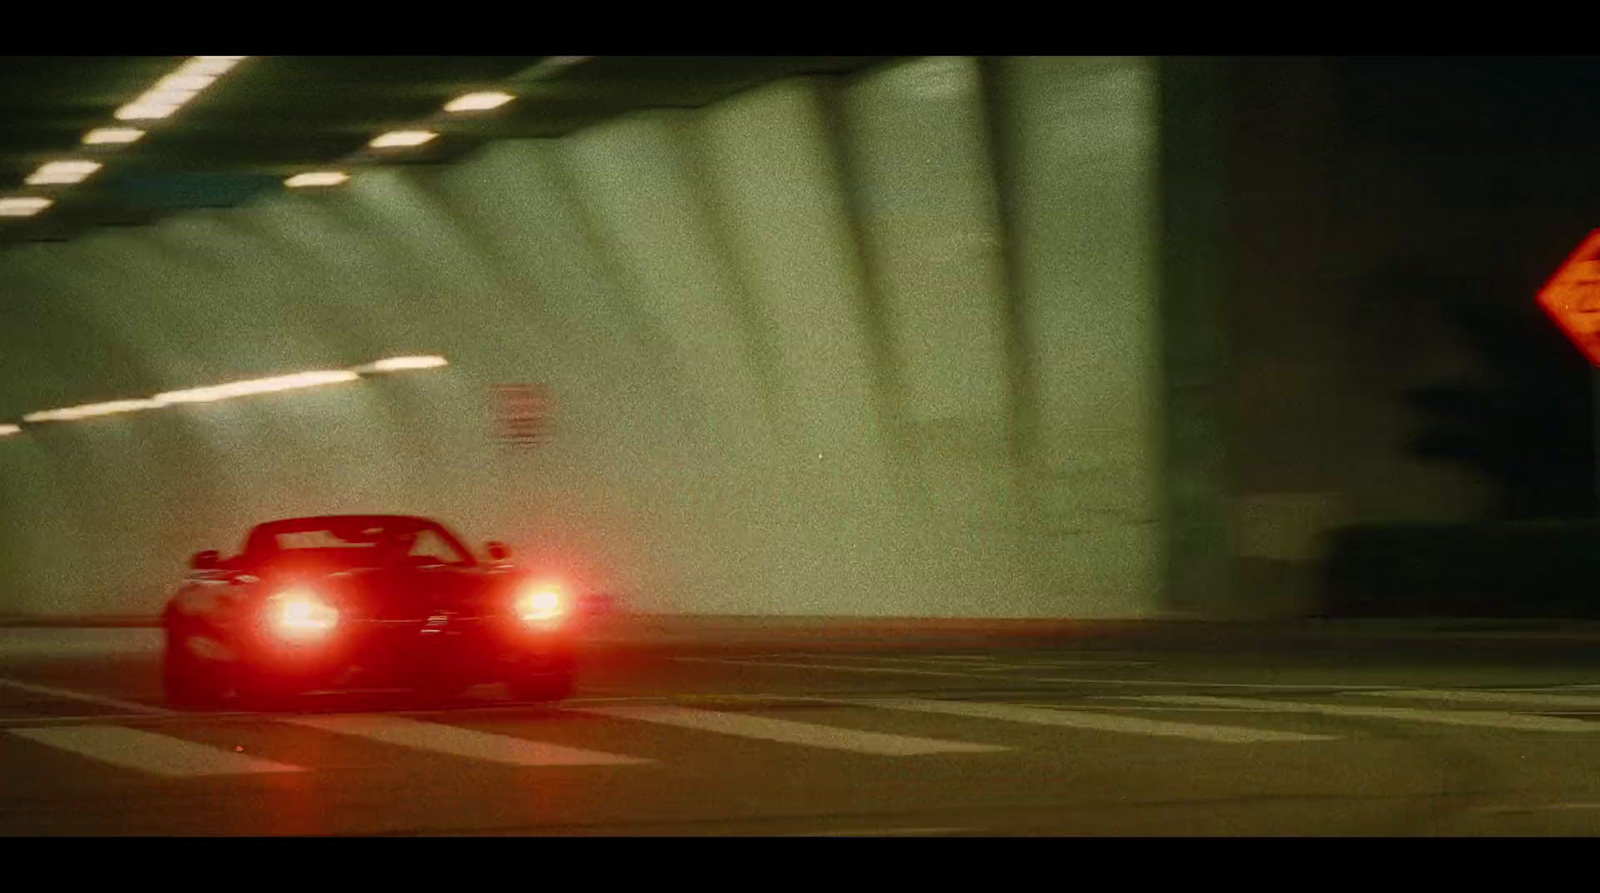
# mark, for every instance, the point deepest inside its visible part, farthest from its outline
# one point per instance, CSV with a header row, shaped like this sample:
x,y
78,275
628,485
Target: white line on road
x,y
1483,718
1099,722
988,666
1532,698
85,697
1157,683
835,667
150,752
459,742
790,732
986,673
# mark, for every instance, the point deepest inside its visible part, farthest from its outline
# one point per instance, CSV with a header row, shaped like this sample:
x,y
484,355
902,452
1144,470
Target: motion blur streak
x,y
58,172
258,386
90,410
317,178
227,391
105,135
23,206
395,364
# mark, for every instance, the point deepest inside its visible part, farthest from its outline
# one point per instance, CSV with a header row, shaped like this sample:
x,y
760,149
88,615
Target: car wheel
x,y
187,681
556,686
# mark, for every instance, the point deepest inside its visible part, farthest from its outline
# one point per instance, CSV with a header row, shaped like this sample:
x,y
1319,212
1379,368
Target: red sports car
x,y
363,601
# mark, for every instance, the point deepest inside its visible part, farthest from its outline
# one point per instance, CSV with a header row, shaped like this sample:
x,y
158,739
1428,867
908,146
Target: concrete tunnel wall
x,y
884,346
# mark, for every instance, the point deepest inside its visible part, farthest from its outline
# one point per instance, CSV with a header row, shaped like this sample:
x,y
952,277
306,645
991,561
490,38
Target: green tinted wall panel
x,y
777,331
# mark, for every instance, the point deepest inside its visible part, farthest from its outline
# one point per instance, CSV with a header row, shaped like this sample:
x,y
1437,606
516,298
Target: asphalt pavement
x,y
1111,734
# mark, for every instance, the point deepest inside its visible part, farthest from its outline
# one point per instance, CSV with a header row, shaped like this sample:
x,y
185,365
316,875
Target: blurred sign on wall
x,y
523,414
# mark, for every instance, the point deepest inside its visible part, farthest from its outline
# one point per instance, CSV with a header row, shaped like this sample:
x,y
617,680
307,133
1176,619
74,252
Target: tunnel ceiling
x,y
275,116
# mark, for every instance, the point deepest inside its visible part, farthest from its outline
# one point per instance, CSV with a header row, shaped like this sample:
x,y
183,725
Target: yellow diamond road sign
x,y
1572,297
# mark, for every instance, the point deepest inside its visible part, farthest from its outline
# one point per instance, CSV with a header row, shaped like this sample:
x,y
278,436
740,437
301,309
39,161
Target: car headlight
x,y
300,613
540,603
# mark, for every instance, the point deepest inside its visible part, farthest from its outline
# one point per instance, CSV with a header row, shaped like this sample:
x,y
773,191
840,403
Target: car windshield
x,y
360,542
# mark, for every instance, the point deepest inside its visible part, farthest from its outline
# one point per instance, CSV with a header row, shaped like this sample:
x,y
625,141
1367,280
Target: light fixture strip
x,y
227,391
160,101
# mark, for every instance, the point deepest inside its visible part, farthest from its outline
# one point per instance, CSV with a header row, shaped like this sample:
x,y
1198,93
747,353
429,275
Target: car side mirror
x,y
205,561
499,551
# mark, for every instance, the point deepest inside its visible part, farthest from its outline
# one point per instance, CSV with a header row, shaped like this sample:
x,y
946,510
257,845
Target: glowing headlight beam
x,y
540,603
300,613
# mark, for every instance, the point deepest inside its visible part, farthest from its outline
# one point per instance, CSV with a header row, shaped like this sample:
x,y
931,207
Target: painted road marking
x,y
1067,680
85,697
1483,718
150,752
989,666
1100,722
790,732
1532,698
974,671
459,742
1177,683
835,667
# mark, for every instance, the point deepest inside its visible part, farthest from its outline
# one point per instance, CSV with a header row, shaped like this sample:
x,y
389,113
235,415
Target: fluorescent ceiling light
x,y
63,172
112,135
141,111
166,97
224,391
185,81
395,364
478,102
90,410
317,178
209,65
396,138
257,386
23,206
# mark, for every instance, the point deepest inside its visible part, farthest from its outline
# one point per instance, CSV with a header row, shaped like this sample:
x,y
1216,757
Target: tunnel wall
x,y
877,346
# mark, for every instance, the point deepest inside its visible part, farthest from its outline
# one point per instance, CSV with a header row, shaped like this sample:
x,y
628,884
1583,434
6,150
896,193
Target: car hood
x,y
408,593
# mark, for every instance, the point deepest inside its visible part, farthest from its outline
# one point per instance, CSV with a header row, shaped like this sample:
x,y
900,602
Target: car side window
x,y
431,548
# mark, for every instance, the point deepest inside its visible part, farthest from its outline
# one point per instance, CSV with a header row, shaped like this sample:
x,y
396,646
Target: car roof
x,y
310,521
358,519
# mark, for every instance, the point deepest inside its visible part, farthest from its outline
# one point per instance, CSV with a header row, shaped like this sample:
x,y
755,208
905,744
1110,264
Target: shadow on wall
x,y
1526,429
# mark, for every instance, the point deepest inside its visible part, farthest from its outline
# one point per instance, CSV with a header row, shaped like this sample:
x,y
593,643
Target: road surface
x,y
1095,738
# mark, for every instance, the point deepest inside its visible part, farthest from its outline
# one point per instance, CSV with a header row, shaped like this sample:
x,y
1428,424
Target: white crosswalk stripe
x,y
790,732
174,757
149,752
1100,722
460,742
1480,718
